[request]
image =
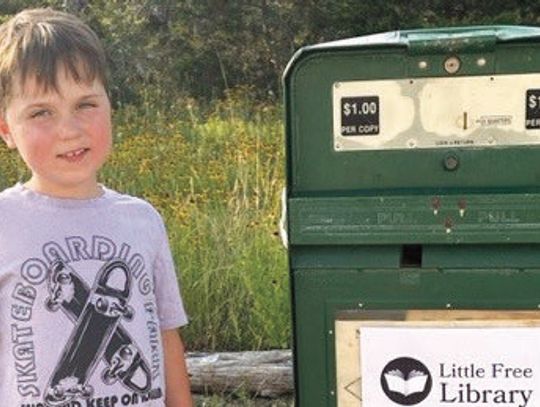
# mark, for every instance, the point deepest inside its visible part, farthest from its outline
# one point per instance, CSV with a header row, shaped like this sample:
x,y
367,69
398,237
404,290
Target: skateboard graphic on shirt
x,y
97,334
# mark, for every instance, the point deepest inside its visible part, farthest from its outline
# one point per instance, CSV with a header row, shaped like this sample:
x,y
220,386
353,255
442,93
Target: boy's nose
x,y
69,128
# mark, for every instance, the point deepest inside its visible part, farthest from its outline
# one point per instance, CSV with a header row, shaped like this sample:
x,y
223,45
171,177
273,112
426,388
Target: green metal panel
x,y
381,219
433,256
320,294
314,166
398,229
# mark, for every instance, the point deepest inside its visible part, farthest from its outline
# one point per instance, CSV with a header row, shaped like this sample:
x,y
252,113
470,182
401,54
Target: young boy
x,y
89,302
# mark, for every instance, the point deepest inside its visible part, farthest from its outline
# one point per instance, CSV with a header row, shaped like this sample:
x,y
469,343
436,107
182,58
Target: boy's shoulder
x,y
18,196
133,210
12,206
10,194
130,202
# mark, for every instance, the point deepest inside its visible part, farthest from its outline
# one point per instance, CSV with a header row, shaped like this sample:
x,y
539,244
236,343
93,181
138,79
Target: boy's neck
x,y
93,190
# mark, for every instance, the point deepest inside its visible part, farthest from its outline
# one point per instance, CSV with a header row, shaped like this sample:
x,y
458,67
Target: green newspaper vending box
x,y
413,201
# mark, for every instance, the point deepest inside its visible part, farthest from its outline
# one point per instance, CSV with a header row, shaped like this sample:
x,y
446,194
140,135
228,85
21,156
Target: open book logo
x,y
414,383
406,381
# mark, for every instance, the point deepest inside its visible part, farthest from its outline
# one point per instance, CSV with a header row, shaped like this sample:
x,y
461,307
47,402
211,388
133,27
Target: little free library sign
x,y
424,364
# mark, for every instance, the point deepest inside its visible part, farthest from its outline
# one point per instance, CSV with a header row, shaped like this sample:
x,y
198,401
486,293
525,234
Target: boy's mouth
x,y
74,155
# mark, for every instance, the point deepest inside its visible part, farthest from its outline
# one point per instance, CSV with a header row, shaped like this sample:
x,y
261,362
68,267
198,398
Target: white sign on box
x,y
450,367
462,111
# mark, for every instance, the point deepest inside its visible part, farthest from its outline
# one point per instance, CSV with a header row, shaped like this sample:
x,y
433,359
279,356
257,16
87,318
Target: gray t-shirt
x,y
86,286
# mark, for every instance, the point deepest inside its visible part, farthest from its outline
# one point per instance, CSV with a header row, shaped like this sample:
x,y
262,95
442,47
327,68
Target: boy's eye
x,y
87,105
39,113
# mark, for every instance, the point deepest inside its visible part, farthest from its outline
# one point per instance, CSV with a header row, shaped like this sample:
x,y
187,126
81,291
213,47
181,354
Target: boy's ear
x,y
5,133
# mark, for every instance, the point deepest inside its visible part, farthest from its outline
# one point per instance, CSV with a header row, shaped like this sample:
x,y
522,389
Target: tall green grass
x,y
215,174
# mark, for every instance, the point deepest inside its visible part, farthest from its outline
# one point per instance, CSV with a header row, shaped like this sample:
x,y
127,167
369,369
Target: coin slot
x,y
411,256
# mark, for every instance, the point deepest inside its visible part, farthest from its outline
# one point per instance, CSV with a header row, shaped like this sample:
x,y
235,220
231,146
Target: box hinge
x,y
451,43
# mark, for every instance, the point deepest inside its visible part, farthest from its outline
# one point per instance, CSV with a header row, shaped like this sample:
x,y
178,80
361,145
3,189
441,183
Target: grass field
x,y
230,401
216,177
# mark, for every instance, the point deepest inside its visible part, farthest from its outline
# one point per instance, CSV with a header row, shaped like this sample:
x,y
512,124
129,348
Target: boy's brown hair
x,y
36,43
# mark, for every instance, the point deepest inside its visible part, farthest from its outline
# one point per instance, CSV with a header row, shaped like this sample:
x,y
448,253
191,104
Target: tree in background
x,y
201,48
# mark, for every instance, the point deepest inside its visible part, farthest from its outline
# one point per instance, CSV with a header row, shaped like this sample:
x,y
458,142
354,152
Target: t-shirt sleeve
x,y
171,311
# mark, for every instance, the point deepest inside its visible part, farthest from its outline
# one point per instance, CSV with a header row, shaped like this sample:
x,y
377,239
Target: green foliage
x,y
238,400
203,48
348,18
12,168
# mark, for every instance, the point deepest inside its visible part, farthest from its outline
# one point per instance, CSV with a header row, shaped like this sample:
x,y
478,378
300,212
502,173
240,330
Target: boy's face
x,y
64,137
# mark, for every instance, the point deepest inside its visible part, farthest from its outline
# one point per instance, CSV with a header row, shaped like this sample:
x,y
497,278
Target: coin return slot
x,y
411,255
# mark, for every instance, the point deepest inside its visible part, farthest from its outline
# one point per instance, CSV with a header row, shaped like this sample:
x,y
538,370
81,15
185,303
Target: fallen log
x,y
258,373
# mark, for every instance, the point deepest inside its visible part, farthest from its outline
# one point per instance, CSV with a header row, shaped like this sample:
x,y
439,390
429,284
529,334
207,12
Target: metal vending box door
x,y
413,182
